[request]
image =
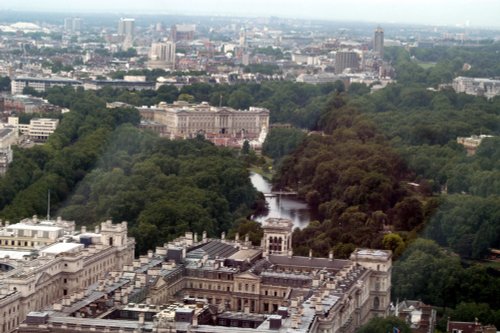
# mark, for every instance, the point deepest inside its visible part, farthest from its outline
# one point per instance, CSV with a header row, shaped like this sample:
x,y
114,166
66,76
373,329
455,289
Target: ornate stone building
x,y
184,120
215,285
44,261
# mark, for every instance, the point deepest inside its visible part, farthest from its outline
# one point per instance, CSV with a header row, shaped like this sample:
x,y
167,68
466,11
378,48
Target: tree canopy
x,y
99,166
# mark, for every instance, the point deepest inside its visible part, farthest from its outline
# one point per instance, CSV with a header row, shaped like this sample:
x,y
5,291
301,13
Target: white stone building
x,y
184,120
40,84
44,261
477,86
162,55
8,137
219,285
40,129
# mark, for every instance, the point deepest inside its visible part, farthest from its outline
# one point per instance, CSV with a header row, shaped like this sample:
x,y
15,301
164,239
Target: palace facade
x,y
185,120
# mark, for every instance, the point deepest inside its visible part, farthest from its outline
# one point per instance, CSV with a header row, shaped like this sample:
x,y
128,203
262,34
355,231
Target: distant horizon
x,y
136,15
445,13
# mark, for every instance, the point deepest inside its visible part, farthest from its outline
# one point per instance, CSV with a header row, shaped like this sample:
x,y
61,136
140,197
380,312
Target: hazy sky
x,y
441,12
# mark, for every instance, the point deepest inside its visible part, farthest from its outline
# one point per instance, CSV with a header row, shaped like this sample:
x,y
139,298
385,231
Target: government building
x,y
43,261
185,120
89,282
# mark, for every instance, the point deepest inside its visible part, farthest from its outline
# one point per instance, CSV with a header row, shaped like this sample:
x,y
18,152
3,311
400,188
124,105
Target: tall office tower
x,y
159,27
68,24
378,41
243,38
73,24
163,52
77,24
126,27
346,59
182,32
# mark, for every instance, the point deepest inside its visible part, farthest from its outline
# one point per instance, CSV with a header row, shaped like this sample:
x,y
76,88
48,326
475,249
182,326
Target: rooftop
x,y
4,132
212,249
59,248
22,226
245,254
14,254
371,254
335,264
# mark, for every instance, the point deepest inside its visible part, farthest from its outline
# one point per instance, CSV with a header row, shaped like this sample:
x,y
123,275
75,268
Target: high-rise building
x,y
68,24
378,41
126,27
182,32
243,38
73,24
163,52
77,24
346,59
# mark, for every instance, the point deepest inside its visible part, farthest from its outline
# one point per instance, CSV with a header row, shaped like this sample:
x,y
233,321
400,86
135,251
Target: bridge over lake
x,y
279,193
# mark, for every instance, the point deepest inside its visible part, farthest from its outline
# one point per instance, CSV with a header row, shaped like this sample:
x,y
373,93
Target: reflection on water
x,y
284,207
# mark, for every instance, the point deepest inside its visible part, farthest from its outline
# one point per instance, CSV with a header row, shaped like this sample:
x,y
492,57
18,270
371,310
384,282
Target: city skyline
x,y
445,12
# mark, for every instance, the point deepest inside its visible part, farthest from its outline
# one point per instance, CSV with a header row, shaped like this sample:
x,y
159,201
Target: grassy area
x,y
265,170
491,264
426,65
486,263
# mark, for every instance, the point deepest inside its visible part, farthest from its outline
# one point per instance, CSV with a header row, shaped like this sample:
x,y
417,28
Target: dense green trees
x,y
296,103
282,141
355,174
435,276
471,311
4,83
163,187
424,126
467,224
98,166
385,325
449,63
358,185
353,181
63,161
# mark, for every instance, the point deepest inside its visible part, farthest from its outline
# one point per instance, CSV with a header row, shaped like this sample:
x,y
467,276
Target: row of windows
x,y
20,243
252,287
7,327
98,268
208,286
10,310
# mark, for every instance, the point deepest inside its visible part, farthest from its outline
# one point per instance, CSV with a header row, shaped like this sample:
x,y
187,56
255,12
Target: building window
x,y
376,303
